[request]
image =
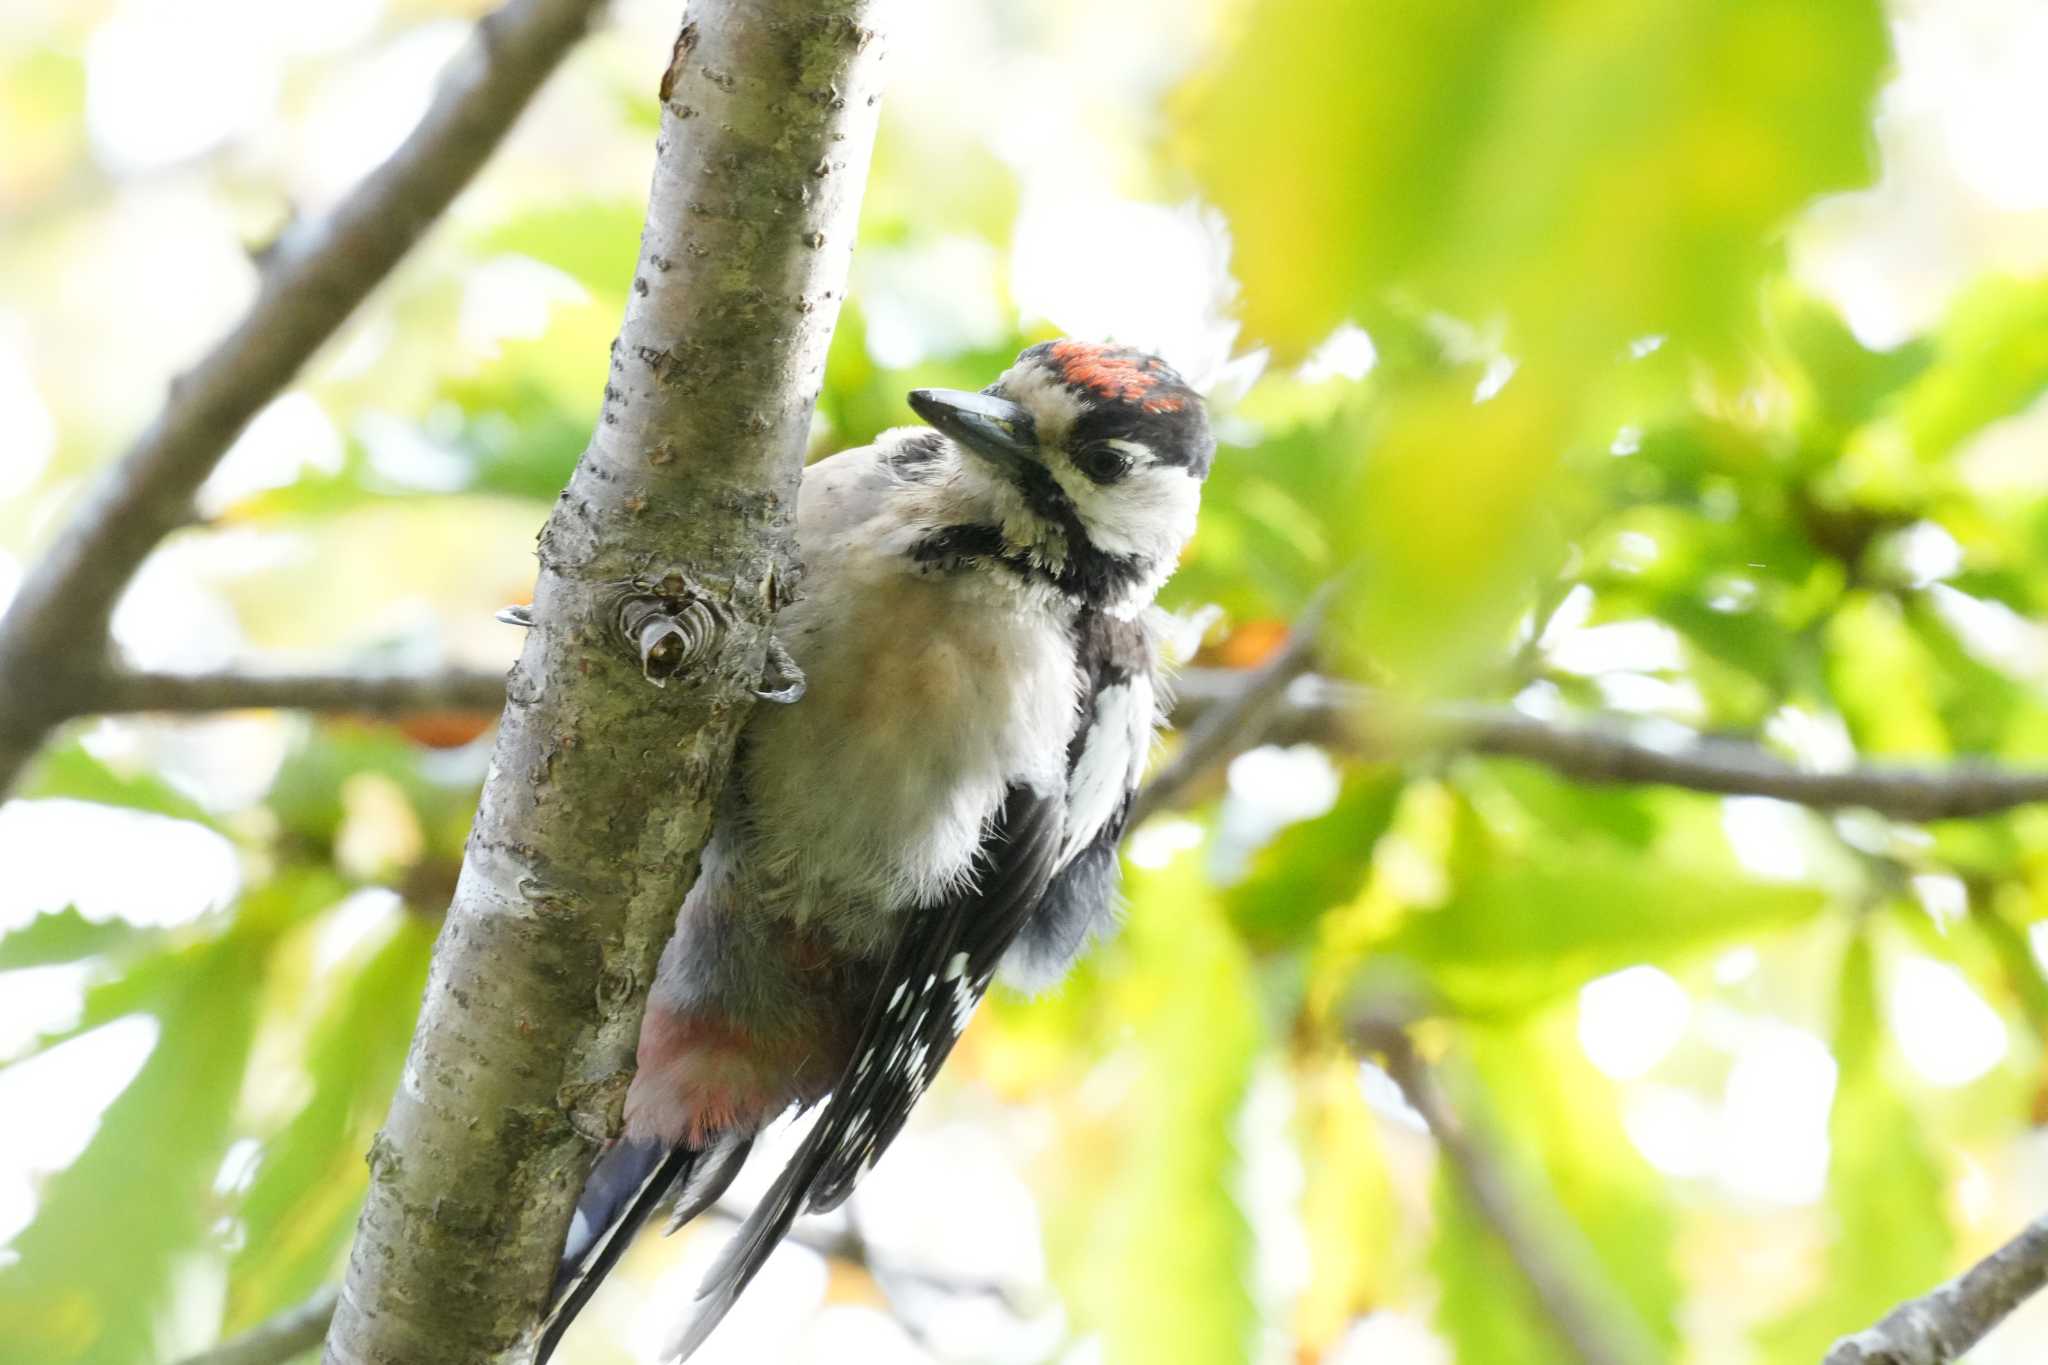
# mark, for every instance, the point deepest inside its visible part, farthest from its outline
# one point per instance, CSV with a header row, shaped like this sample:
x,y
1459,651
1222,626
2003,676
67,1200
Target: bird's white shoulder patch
x,y
1111,761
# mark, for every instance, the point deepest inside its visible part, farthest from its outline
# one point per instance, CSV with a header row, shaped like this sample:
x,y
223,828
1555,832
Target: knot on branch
x,y
672,625
596,1109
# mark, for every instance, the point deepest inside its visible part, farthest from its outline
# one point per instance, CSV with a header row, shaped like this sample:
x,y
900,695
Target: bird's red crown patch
x,y
1115,374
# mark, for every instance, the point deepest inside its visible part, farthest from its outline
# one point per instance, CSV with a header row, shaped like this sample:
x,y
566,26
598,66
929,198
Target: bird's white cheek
x,y
1151,514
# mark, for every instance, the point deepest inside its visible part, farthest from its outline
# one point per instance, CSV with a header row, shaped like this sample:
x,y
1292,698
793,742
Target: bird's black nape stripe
x,y
1089,576
1099,578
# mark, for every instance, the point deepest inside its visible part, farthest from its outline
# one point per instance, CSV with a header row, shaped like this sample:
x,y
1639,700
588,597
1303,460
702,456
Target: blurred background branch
x,y
273,1341
1221,713
55,628
1591,1320
366,693
299,1329
1234,718
1281,703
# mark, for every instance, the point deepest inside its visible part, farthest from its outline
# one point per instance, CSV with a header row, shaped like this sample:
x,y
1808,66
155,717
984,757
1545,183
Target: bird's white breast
x,y
929,693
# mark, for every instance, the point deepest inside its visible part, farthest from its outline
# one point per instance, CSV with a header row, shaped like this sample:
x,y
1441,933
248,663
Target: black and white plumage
x,y
945,802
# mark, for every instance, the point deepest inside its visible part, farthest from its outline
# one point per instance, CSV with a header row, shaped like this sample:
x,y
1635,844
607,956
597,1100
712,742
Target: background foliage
x,y
1551,336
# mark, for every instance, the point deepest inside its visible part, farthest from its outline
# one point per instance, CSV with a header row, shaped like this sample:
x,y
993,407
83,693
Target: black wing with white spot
x,y
936,975
1118,711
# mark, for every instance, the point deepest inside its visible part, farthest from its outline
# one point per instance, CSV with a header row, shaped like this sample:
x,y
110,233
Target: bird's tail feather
x,y
625,1187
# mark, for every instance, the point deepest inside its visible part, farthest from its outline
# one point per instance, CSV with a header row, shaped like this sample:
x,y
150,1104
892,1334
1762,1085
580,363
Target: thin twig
x,y
848,1243
290,1334
1568,1305
1938,1327
55,629
300,1329
1233,722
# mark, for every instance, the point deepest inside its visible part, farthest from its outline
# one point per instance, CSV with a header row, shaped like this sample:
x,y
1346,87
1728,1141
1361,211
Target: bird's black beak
x,y
996,429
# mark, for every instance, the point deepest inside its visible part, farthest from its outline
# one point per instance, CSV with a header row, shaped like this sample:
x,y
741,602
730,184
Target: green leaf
x,y
158,961
1841,382
1993,362
1440,581
1598,170
98,1264
1526,919
65,936
67,770
1883,679
1985,708
307,795
1350,1212
1553,1126
1272,528
301,1204
1364,99
1314,865
1156,1255
1890,1238
594,241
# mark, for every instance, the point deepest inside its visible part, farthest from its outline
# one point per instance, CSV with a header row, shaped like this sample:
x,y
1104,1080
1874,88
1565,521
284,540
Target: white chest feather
x,y
929,694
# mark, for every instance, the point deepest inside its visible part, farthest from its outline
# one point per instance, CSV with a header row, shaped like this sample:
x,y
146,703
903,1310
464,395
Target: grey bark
x,y
660,571
1937,1328
53,638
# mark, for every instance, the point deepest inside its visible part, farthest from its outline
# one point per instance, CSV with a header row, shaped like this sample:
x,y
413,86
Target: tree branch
x,y
1938,1327
660,571
1604,753
1567,1304
1349,716
55,630
394,693
1223,712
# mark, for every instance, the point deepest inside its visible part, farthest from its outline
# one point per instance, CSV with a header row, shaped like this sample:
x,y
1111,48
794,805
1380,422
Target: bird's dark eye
x,y
1103,464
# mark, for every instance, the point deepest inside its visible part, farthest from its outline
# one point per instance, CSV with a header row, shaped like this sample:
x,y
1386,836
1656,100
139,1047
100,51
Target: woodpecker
x,y
979,643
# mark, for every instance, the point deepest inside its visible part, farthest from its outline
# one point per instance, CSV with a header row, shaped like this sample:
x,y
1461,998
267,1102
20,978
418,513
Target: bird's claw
x,y
782,682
